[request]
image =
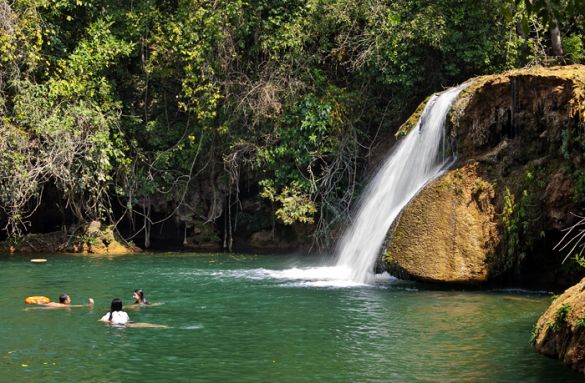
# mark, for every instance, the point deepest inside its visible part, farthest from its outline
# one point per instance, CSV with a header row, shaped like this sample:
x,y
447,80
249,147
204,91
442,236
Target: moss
x,y
535,334
580,324
562,312
562,327
388,257
412,120
560,317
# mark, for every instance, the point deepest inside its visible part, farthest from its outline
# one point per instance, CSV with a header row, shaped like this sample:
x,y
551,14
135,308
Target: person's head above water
x,y
64,299
138,297
116,305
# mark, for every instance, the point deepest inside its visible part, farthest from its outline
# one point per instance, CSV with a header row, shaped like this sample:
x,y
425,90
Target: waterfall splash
x,y
418,158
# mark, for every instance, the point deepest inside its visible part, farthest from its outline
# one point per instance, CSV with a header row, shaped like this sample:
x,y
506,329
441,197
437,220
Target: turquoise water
x,y
238,319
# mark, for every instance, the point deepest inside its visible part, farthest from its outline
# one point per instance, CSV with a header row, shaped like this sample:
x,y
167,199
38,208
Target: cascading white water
x,y
417,159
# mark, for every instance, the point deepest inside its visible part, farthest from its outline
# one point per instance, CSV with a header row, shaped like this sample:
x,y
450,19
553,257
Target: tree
x,y
553,13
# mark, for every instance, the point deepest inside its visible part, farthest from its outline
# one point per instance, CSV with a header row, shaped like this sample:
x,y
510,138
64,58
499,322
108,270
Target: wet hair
x,y
141,296
116,306
63,298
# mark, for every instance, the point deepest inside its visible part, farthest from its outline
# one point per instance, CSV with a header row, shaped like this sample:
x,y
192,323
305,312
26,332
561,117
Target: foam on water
x,y
324,276
324,284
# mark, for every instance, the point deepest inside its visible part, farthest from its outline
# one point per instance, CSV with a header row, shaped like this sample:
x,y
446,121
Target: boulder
x,y
560,331
448,232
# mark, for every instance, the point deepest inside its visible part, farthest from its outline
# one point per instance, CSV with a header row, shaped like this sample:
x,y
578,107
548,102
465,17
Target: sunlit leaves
x,y
293,204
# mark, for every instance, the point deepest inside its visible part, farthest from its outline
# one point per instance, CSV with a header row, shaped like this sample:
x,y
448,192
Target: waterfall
x,y
417,159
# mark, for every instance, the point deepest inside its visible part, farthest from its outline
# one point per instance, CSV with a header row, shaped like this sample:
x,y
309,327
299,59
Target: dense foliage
x,y
151,110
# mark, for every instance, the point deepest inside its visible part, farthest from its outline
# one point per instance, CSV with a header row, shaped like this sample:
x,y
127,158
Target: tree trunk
x,y
555,36
147,223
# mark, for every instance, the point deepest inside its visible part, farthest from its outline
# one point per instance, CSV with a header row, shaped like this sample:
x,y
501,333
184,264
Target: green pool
x,y
245,318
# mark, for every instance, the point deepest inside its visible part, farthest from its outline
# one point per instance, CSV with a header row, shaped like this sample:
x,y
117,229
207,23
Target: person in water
x,y
139,298
65,302
116,316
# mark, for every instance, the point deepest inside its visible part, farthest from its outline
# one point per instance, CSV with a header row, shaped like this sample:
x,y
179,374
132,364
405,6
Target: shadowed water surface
x,y
259,319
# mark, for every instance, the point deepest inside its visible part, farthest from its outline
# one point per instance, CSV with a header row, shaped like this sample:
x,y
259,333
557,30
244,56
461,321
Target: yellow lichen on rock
x,y
448,232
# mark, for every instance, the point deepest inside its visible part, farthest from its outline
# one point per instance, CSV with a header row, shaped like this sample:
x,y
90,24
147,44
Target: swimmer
x,y
139,298
65,302
120,318
116,316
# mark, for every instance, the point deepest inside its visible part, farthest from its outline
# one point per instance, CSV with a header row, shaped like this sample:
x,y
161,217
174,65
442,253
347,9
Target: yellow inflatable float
x,y
37,300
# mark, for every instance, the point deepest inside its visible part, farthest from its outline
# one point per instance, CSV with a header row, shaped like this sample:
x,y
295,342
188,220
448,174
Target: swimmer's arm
x,y
90,303
54,305
134,306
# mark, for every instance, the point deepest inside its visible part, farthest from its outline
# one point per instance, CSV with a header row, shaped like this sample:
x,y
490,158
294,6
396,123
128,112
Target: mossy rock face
x,y
516,103
560,331
100,240
448,232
